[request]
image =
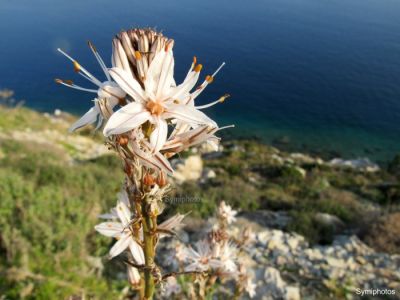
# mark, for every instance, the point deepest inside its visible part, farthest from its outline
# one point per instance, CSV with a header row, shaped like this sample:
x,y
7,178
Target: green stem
x,y
148,253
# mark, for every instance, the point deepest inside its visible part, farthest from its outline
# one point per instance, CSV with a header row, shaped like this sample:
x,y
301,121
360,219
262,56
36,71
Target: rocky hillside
x,y
323,228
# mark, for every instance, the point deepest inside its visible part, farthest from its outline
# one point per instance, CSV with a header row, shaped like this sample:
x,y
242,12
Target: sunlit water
x,y
310,74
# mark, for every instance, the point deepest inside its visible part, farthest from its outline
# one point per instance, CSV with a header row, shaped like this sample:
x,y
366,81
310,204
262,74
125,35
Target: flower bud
x,y
148,179
128,169
123,140
161,179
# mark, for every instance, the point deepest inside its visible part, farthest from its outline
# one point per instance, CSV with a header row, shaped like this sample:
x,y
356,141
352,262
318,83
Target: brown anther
x,y
77,66
92,46
123,140
198,68
209,78
218,235
122,101
194,60
162,179
155,108
57,80
148,179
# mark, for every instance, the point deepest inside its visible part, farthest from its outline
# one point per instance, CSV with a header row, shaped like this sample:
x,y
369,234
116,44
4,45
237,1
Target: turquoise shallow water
x,y
321,76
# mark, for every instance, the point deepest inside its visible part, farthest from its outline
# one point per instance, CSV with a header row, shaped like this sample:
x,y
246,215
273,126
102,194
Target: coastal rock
x,y
363,164
303,159
329,221
208,174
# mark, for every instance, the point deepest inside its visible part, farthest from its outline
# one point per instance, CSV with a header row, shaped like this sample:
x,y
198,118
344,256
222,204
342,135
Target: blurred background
x,y
304,73
312,163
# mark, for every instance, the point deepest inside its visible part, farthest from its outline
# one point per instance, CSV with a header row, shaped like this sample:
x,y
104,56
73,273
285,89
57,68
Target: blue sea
x,y
309,75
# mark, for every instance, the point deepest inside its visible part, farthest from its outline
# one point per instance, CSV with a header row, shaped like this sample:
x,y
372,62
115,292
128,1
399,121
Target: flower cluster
x,y
147,119
218,256
141,83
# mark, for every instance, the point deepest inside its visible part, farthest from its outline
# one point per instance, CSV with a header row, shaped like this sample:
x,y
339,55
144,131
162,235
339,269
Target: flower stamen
x,y
155,108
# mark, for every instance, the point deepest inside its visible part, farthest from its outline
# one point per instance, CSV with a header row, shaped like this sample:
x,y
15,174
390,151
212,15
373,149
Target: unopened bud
x,y
161,179
148,179
123,140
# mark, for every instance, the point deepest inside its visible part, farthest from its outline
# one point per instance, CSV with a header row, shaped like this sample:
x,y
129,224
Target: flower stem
x,y
148,253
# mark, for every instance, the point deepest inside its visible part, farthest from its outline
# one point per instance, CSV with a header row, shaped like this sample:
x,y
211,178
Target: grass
x,y
47,213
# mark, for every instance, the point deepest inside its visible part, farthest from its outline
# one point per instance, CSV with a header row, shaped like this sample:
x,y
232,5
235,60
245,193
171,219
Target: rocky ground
x,y
286,266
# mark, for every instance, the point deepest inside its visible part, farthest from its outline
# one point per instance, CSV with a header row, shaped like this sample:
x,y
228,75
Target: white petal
x,y
167,75
111,229
185,87
124,213
156,161
123,197
159,135
172,223
133,275
187,114
164,163
137,252
88,118
120,245
108,216
153,73
126,82
127,118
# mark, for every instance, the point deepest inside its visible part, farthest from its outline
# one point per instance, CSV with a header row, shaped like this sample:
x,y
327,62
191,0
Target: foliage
x,y
43,202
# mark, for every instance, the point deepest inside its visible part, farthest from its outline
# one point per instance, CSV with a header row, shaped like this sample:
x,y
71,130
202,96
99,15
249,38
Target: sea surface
x,y
310,75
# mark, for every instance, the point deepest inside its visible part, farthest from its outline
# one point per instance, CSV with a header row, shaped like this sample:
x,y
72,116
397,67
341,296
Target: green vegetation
x,y
48,208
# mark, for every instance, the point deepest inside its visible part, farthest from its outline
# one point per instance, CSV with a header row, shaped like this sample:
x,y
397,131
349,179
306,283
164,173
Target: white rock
x,y
274,282
209,174
292,293
337,263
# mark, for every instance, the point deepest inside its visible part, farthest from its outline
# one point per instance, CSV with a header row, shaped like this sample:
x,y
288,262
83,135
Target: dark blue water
x,y
325,75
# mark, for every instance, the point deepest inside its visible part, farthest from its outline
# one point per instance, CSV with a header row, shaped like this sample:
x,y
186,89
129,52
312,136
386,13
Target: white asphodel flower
x,y
250,287
227,254
157,99
202,259
226,212
107,90
171,288
122,232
